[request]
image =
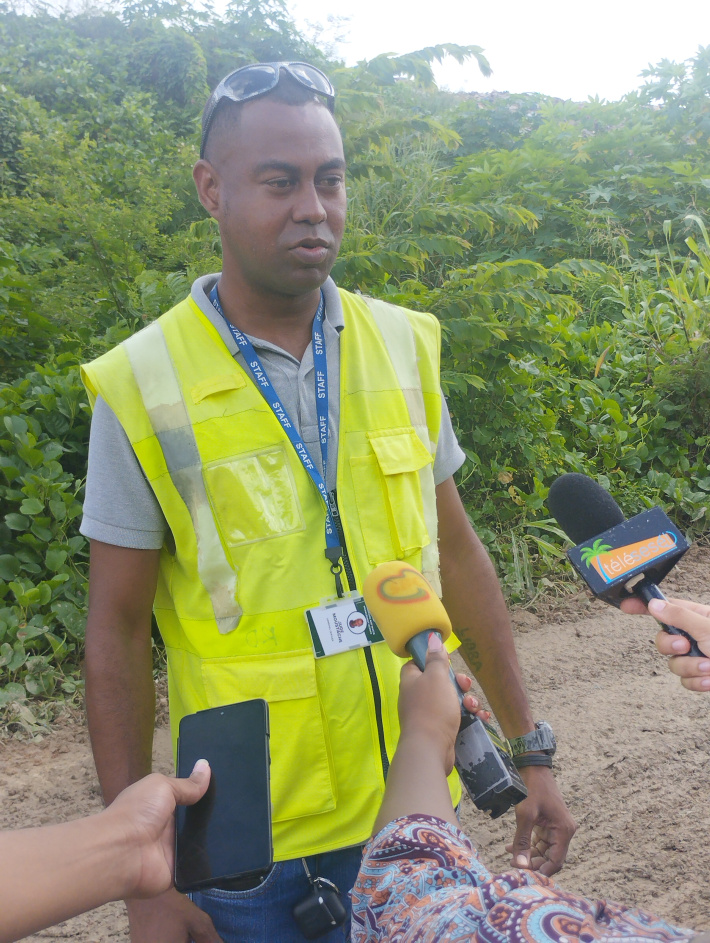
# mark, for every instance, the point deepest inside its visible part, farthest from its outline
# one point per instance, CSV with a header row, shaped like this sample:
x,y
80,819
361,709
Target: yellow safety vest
x,y
248,526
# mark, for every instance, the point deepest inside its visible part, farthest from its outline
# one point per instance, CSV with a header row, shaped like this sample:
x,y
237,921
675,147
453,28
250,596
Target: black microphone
x,y
626,557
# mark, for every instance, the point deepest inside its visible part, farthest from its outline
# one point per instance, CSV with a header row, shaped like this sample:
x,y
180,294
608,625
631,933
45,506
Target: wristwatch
x,y
541,739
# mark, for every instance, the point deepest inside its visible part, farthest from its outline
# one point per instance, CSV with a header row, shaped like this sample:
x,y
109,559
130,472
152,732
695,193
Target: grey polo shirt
x,y
120,507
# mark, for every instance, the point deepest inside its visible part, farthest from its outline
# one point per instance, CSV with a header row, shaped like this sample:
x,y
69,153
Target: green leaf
x,y
73,619
55,559
17,521
10,471
60,647
52,450
42,532
12,692
58,509
6,653
15,425
33,457
40,685
9,567
12,657
30,631
31,506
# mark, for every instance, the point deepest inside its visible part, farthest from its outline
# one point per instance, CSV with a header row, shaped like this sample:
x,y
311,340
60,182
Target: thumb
x,y
520,849
188,791
436,653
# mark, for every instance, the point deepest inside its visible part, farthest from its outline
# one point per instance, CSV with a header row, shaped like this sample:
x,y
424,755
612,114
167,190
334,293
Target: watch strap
x,y
532,759
540,739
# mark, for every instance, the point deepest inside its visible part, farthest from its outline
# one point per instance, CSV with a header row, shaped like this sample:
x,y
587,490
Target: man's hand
x,y
170,918
544,827
693,618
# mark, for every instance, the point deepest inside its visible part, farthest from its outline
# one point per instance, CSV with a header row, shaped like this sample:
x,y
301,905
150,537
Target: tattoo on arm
x,y
470,653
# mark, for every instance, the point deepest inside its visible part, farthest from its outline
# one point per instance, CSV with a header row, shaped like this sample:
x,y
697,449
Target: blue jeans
x,y
263,914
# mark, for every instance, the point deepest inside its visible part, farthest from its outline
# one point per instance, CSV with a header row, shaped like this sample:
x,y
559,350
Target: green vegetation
x,y
563,246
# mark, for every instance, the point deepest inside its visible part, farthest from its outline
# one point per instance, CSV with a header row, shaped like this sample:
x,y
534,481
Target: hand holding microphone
x,y
617,558
693,618
407,610
428,707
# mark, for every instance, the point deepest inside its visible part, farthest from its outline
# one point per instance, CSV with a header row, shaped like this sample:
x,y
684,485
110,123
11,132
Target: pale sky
x,y
566,49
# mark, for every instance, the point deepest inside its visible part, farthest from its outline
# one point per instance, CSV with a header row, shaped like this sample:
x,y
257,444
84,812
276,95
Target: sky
x,y
567,49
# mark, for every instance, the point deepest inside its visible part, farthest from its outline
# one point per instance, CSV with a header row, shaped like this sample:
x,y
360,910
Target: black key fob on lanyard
x,y
321,910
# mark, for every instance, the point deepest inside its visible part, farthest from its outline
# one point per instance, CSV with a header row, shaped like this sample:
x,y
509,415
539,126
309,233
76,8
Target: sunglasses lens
x,y
312,77
252,81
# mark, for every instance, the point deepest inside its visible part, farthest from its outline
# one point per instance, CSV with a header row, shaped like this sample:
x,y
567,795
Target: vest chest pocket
x,y
388,492
254,496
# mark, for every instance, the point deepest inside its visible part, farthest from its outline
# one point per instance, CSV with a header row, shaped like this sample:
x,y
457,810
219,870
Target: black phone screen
x,y
228,832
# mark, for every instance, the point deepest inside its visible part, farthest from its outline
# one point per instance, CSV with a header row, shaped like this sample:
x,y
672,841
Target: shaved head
x,y
226,121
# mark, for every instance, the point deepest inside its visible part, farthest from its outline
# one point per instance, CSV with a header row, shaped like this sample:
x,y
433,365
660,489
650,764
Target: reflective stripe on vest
x,y
160,391
402,349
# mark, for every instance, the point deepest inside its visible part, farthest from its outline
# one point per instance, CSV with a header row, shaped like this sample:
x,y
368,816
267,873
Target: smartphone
x,y
227,834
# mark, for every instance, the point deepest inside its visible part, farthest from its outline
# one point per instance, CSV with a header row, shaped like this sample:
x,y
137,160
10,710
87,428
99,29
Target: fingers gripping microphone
x,y
406,610
616,557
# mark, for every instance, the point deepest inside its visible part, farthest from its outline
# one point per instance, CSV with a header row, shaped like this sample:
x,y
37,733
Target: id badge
x,y
341,625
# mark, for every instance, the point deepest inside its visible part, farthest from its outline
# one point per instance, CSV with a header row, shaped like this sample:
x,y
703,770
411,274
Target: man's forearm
x,y
120,695
120,701
478,613
474,601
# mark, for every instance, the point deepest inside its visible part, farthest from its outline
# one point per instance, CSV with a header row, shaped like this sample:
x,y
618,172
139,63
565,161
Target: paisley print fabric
x,y
421,881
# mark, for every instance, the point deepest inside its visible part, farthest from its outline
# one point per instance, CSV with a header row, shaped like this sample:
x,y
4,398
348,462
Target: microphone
x,y
406,610
616,557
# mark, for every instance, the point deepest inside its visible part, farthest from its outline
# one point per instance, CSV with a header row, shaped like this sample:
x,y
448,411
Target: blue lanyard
x,y
333,550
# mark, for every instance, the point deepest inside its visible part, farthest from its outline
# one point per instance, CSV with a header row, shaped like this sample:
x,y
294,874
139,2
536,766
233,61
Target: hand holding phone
x,y
227,834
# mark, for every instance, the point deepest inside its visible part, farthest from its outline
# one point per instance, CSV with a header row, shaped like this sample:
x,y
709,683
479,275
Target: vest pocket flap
x,y
287,680
399,451
218,384
283,677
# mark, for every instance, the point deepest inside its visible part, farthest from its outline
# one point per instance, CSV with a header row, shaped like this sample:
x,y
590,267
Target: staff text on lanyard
x,y
333,549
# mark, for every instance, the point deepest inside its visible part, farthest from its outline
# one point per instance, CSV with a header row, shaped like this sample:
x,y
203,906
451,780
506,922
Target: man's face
x,y
280,197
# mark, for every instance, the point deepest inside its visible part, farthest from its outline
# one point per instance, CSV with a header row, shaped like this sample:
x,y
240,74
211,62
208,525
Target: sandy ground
x,y
633,760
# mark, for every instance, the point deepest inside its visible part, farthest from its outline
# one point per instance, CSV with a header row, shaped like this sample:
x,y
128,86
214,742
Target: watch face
x,y
541,738
549,744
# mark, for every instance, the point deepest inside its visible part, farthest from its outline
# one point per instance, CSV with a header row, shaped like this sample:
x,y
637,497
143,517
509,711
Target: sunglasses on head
x,y
251,81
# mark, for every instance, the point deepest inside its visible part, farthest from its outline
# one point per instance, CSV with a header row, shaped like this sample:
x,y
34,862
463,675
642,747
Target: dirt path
x,y
633,761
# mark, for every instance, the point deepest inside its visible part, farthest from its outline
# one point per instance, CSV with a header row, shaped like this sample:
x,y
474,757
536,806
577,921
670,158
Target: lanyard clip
x,y
334,555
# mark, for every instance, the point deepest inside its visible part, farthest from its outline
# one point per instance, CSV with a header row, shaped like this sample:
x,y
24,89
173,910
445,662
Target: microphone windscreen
x,y
582,507
402,604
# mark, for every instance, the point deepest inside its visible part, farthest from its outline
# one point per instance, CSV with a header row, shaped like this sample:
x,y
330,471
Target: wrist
x,y
539,740
535,774
426,746
125,854
532,759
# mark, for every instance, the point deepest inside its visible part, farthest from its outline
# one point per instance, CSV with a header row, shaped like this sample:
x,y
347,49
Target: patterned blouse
x,y
421,881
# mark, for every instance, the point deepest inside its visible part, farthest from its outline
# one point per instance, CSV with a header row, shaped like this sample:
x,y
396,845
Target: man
x,y
257,450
